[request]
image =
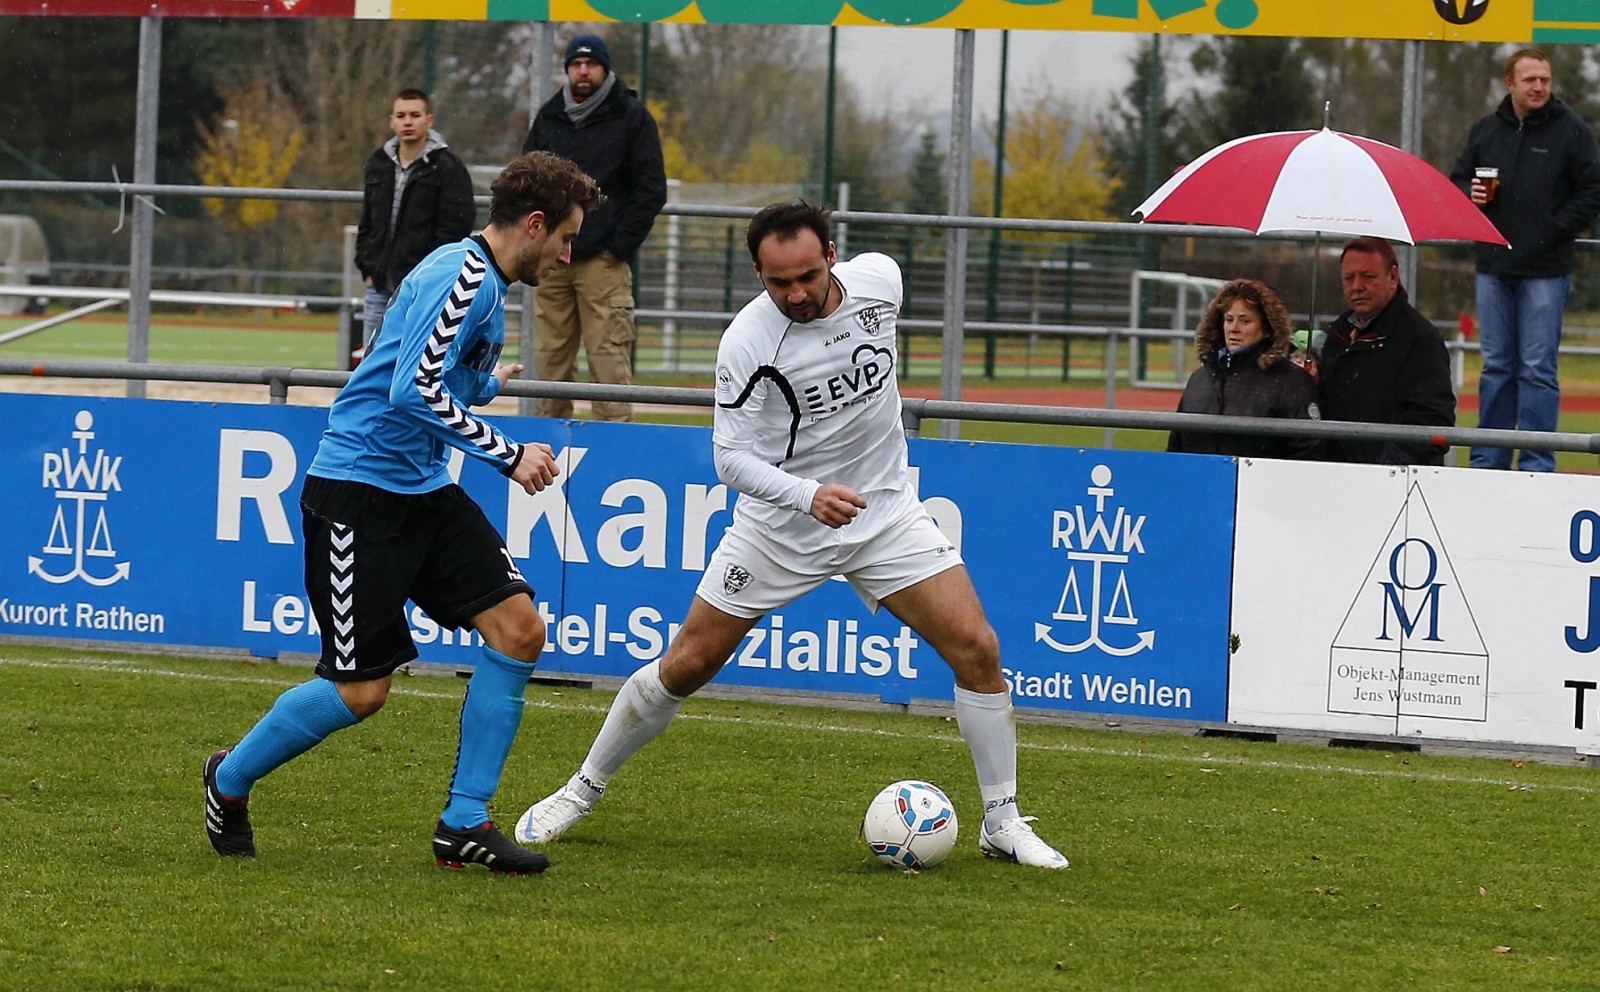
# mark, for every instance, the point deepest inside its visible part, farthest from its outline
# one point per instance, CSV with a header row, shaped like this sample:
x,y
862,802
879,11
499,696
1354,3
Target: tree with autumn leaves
x,y
1054,169
257,144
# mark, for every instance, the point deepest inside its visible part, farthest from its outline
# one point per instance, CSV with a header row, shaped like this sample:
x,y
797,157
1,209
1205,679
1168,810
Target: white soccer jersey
x,y
820,401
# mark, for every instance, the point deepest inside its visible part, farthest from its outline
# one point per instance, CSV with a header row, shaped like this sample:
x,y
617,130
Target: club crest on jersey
x,y
868,319
735,578
724,378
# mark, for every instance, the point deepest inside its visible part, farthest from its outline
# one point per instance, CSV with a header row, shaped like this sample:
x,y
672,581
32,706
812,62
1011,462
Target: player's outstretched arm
x,y
836,504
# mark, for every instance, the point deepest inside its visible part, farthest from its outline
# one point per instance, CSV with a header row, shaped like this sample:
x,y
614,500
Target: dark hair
x,y
1518,56
412,93
544,182
785,221
1376,246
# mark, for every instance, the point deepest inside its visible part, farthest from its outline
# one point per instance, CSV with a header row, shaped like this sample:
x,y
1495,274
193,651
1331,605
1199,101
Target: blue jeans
x,y
373,308
1519,320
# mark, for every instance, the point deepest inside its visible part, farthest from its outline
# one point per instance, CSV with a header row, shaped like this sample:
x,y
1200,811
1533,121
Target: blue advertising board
x,y
1106,573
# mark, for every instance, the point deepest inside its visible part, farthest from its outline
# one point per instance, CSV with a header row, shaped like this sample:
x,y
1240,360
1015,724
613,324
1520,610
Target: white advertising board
x,y
1437,603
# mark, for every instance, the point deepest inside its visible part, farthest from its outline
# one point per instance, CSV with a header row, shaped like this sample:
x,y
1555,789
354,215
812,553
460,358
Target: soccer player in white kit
x,y
807,428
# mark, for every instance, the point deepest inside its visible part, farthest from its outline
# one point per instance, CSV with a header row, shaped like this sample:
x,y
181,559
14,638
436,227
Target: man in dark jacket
x,y
1383,362
418,197
1533,167
600,124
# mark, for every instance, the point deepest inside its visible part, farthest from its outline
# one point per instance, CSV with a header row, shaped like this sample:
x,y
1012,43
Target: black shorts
x,y
369,550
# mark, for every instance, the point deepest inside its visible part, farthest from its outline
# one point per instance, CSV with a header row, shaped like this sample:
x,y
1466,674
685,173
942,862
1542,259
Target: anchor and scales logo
x,y
1096,608
79,544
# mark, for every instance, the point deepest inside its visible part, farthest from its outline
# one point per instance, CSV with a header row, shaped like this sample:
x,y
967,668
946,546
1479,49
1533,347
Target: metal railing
x,y
916,410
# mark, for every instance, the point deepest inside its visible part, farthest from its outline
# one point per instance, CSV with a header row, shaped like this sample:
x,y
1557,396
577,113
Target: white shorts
x,y
891,545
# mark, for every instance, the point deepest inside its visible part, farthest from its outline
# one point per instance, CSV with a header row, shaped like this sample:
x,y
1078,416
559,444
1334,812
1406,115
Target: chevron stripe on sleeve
x,y
429,378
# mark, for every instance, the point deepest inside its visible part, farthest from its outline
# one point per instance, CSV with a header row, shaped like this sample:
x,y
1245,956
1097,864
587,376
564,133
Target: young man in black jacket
x,y
1533,167
1382,362
600,124
418,197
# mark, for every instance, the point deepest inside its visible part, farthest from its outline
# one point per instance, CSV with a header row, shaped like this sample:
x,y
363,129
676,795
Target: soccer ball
x,y
910,824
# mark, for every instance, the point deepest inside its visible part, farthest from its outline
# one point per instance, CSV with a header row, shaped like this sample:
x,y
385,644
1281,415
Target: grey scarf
x,y
576,112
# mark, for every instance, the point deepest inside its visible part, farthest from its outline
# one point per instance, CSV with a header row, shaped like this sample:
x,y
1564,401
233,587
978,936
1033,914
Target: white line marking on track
x,y
133,668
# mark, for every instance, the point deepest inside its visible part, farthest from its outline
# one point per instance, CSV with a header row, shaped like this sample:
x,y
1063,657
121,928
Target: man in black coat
x,y
1383,362
418,196
600,124
1534,168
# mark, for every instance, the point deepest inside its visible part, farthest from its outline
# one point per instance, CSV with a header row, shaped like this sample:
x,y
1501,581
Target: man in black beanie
x,y
600,124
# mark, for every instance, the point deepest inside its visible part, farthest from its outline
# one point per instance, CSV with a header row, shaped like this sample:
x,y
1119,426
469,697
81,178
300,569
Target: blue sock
x,y
490,716
297,722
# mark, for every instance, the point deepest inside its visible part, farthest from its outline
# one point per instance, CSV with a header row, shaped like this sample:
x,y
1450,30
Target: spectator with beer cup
x,y
1533,168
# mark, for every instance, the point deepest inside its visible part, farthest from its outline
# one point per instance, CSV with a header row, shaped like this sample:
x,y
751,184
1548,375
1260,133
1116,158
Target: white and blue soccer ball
x,y
910,825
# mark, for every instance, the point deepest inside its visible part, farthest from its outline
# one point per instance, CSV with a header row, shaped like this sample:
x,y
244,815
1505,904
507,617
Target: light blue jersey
x,y
434,357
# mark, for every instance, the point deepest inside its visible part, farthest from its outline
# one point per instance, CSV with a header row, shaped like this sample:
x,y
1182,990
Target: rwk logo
x,y
735,578
79,532
1099,548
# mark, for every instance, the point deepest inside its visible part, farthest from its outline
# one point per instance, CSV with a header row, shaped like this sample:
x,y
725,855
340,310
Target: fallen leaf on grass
x,y
1502,949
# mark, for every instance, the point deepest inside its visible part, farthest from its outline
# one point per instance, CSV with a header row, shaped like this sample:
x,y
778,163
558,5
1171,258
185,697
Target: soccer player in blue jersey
x,y
384,523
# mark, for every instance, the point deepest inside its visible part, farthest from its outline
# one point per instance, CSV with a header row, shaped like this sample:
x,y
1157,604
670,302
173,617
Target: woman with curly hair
x,y
1245,371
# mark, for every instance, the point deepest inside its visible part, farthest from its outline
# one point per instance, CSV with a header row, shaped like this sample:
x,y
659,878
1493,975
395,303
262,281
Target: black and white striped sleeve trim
x,y
429,378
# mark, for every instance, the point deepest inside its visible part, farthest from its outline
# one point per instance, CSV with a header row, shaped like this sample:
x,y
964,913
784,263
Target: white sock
x,y
638,715
990,730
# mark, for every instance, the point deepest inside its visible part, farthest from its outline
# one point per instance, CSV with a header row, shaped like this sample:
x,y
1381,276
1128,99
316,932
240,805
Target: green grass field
x,y
725,855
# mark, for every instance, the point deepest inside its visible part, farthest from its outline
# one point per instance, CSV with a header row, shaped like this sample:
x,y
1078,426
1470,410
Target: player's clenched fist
x,y
836,505
536,468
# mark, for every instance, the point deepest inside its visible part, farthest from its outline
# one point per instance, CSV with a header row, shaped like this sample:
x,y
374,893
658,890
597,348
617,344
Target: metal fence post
x,y
1066,316
669,300
142,233
350,287
727,268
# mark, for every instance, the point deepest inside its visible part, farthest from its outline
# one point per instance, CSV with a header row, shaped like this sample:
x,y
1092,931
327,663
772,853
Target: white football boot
x,y
1013,841
546,820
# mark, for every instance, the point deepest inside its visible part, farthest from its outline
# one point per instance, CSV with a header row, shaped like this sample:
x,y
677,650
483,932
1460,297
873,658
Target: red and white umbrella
x,y
1322,182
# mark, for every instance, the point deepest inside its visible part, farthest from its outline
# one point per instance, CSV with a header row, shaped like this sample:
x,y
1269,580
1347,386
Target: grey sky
x,y
909,69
